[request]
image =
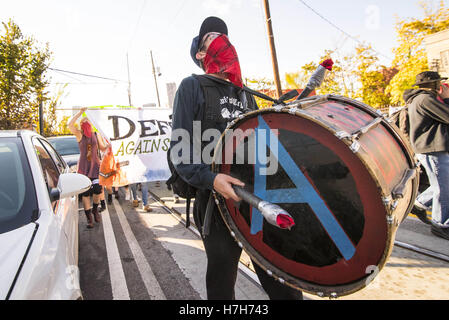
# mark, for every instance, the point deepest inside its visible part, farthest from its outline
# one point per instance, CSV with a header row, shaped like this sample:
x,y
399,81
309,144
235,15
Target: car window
x,y
65,146
49,168
18,203
60,164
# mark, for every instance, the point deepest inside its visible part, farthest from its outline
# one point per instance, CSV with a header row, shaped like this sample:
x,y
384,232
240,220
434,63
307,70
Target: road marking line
x,y
148,277
117,275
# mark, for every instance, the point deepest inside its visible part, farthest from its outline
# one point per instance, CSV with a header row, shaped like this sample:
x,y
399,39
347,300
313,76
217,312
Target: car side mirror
x,y
69,185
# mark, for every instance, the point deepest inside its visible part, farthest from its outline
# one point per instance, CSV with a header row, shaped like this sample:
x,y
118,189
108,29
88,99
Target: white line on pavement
x,y
118,281
148,277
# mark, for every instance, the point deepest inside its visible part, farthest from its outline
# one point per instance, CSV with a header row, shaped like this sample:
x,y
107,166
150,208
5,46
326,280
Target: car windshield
x,y
17,196
65,146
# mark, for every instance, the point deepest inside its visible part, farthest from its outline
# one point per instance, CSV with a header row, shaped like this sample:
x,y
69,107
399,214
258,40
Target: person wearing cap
x,y
199,98
429,137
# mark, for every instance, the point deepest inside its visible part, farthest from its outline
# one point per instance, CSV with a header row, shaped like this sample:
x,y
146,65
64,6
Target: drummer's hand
x,y
223,185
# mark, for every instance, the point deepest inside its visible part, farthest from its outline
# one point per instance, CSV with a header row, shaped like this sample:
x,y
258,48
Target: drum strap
x,y
289,95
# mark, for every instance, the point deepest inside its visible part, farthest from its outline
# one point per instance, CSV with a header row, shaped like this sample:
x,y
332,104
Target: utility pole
x,y
272,48
155,79
129,82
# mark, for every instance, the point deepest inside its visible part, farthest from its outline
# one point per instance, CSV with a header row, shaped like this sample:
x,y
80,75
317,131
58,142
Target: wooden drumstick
x,y
273,213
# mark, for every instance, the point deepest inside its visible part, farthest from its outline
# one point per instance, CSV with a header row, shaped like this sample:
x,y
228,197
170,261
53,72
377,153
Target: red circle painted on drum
x,y
370,247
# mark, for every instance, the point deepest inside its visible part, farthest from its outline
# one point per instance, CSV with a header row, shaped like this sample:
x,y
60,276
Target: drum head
x,y
340,233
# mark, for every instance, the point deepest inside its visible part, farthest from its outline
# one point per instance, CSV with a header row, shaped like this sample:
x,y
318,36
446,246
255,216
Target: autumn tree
x,y
22,78
410,56
339,81
373,78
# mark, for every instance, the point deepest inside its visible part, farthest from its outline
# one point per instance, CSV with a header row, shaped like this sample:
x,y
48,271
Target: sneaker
x,y
147,208
440,232
421,214
135,203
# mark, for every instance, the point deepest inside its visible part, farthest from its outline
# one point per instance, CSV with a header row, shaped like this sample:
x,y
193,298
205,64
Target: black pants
x,y
223,256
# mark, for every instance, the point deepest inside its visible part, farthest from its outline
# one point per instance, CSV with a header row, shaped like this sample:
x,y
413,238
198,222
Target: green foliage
x,y
410,56
22,78
263,85
373,78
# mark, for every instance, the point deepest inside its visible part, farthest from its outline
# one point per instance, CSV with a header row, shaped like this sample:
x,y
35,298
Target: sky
x,y
95,37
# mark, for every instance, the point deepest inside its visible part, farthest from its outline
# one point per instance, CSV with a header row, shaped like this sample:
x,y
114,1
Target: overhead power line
x,y
86,75
340,29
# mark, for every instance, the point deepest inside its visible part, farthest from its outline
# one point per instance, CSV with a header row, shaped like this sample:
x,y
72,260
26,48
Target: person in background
x,y
89,164
144,189
429,137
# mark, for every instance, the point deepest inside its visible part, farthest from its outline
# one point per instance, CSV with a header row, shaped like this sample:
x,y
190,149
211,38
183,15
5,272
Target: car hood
x,y
13,246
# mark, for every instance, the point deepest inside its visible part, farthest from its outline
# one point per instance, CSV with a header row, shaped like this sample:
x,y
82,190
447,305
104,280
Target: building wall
x,y
437,47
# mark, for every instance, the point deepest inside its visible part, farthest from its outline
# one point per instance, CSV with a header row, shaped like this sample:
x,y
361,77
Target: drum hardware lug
x,y
282,281
386,200
355,146
269,273
278,107
240,244
394,205
330,116
233,234
333,295
293,110
320,294
390,219
342,135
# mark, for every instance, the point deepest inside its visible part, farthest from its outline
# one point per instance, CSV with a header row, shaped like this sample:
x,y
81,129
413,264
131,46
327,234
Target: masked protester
x,y
428,109
89,164
200,98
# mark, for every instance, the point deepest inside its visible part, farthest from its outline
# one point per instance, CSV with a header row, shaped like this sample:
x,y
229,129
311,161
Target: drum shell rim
x,y
314,288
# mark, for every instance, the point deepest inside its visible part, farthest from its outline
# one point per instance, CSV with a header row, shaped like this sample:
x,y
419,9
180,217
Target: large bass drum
x,y
345,174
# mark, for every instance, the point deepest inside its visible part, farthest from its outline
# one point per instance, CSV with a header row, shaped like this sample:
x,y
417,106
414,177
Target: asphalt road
x,y
137,255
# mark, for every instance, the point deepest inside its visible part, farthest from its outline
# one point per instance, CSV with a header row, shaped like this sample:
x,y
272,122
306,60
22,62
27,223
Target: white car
x,y
38,220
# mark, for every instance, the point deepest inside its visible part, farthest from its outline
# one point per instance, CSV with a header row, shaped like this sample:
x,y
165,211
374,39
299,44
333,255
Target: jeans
x,y
145,187
436,165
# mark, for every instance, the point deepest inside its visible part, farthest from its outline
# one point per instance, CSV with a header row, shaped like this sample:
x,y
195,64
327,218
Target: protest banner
x,y
140,138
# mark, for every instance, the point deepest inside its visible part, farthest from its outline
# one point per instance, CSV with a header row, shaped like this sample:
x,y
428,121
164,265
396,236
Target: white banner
x,y
140,139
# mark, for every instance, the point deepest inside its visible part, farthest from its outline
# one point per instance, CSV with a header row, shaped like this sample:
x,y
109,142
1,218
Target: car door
x,y
62,234
65,209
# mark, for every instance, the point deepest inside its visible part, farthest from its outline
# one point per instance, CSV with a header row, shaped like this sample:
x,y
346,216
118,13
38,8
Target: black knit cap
x,y
428,77
210,24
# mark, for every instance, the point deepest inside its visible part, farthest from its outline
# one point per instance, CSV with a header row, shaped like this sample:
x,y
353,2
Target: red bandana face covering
x,y
221,57
87,129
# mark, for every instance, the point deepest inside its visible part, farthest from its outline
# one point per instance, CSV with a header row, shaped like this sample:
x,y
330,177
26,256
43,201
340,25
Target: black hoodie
x,y
429,121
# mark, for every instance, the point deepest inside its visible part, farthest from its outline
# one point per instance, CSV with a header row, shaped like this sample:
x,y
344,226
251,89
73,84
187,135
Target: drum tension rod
x,y
357,134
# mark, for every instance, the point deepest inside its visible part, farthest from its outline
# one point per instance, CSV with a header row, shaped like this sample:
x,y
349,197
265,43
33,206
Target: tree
x,y
339,81
410,56
372,77
22,78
